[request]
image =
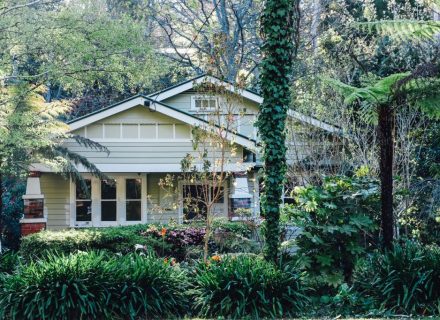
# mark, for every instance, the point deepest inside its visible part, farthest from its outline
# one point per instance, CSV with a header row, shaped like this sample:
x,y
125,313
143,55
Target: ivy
x,y
277,30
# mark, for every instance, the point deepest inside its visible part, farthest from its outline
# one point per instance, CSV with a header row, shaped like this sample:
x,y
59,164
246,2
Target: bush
x,y
112,239
335,221
404,280
177,240
8,261
246,286
94,285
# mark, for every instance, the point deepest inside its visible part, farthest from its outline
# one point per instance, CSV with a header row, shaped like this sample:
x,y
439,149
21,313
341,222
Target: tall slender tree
x,y
277,28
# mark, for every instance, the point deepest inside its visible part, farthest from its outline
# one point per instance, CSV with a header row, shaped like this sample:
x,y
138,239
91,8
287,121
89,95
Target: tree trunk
x,y
386,141
1,211
277,29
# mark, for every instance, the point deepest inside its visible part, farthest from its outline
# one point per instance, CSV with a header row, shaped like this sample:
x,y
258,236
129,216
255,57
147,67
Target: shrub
x,y
403,280
246,286
94,285
113,239
8,261
69,287
146,286
335,220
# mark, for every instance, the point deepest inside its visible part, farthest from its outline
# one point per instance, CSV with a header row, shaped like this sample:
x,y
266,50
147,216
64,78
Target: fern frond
x,y
90,144
404,29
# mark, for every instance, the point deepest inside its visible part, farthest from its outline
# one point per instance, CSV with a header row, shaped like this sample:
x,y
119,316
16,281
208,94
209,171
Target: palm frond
x,y
403,29
90,144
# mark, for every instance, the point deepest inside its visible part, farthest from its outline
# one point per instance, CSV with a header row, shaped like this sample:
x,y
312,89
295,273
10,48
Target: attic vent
x,y
203,103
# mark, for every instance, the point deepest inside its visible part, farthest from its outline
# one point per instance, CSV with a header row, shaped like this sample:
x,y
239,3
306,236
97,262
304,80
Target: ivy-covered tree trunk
x,y
386,142
277,49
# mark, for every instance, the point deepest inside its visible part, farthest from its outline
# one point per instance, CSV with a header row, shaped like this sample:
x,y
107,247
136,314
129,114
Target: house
x,y
147,137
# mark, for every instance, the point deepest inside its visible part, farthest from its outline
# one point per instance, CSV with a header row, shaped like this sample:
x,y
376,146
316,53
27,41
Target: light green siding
x,y
56,193
138,136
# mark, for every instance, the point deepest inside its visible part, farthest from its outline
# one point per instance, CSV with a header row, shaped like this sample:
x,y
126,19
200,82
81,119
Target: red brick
x,y
29,228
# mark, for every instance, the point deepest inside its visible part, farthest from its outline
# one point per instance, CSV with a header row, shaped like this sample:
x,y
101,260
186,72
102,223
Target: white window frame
x,y
203,97
120,201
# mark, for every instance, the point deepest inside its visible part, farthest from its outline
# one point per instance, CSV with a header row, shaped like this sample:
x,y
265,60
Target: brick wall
x,y
29,228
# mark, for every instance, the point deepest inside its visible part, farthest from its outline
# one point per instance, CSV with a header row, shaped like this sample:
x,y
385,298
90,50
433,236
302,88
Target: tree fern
x,y
404,29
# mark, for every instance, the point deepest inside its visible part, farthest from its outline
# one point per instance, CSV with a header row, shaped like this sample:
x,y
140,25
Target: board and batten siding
x,y
56,190
139,136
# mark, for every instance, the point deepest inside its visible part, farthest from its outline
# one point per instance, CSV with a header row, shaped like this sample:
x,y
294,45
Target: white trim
x,y
186,118
32,196
148,168
36,220
190,85
244,93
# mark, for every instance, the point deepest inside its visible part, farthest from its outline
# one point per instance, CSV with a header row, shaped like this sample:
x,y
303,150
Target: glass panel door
x,y
84,201
108,200
133,196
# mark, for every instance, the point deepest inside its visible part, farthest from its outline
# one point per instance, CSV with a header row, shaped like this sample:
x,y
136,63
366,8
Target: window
x,y
202,103
133,196
84,201
108,200
33,208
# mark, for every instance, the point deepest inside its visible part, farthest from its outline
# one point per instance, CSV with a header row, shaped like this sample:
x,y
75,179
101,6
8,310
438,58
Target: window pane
x,y
133,210
108,189
133,188
108,210
33,208
84,211
84,194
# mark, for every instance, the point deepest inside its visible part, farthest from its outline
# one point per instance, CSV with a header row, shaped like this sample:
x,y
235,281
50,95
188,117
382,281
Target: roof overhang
x,y
160,107
252,96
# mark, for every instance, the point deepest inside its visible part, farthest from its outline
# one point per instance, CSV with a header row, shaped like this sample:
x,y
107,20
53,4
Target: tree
x,y
221,34
30,132
277,27
384,97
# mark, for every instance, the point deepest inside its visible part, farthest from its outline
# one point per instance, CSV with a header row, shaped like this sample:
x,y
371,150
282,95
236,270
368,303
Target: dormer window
x,y
203,103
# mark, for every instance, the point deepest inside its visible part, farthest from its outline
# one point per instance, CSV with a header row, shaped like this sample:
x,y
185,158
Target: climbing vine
x,y
278,47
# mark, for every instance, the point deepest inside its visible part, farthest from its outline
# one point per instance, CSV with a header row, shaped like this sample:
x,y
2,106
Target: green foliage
x,y
404,29
277,26
11,213
246,286
93,285
336,221
113,239
177,241
8,261
405,280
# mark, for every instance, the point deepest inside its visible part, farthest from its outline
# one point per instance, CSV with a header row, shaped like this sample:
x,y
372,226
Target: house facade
x,y
147,136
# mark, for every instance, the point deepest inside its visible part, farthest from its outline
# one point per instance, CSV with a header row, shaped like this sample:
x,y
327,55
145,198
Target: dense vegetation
x,y
364,199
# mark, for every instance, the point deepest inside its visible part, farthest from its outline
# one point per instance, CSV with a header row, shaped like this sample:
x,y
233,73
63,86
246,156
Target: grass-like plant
x,y
246,286
90,285
404,280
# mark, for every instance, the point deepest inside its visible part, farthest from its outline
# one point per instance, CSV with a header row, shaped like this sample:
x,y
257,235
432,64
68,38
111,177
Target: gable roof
x,y
153,105
154,102
248,94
